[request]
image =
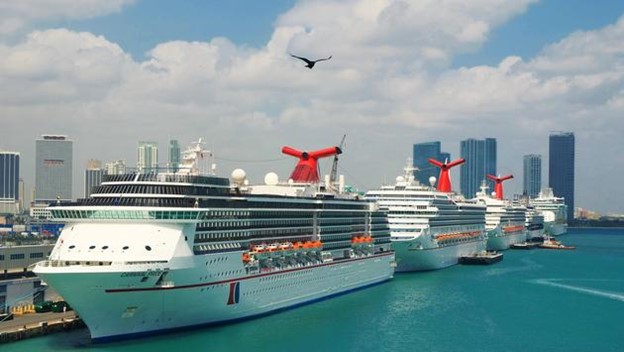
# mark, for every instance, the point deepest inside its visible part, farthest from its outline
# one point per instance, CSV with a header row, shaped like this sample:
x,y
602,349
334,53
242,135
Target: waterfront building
x,y
480,156
9,182
18,286
115,167
93,176
53,169
147,157
174,156
532,182
561,168
421,154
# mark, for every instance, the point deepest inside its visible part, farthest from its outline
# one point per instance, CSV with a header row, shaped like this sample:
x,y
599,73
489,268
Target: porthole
x,y
91,247
105,247
72,246
148,248
125,247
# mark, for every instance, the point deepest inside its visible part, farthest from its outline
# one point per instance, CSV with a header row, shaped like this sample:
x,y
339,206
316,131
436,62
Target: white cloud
x,y
388,85
17,15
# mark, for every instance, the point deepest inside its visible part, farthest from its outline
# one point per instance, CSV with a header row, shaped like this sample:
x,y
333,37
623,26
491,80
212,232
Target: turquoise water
x,y
537,300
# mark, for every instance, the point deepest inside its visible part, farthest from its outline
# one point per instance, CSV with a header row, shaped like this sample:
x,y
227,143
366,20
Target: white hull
x,y
554,229
116,303
411,258
500,241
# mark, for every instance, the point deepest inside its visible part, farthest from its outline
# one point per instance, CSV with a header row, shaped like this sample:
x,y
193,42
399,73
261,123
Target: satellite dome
x,y
400,179
238,176
432,180
271,179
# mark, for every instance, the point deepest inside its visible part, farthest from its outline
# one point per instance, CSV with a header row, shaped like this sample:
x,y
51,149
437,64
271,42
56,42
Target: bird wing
x,y
301,58
325,59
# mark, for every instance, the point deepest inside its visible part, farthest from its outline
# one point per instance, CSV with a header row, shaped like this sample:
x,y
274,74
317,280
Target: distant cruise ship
x,y
429,229
555,212
153,252
504,221
534,223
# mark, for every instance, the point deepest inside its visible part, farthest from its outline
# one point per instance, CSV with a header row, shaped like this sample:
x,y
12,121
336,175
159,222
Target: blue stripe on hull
x,y
231,321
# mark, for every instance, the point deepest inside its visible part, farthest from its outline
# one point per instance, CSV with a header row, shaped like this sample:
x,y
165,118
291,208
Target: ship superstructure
x,y
430,229
555,212
153,252
504,220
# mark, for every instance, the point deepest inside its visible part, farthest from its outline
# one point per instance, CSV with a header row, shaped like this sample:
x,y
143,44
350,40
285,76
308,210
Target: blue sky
x,y
247,22
109,73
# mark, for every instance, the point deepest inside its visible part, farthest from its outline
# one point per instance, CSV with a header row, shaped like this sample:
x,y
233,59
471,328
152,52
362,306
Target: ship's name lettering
x,y
140,273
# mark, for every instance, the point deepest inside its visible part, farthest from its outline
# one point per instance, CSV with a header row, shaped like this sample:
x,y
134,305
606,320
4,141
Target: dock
x,y
482,258
38,324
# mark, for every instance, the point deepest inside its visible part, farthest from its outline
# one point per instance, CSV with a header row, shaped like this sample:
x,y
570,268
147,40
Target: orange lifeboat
x,y
246,257
308,244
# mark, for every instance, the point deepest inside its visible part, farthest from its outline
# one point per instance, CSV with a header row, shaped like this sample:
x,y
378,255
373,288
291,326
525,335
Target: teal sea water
x,y
537,300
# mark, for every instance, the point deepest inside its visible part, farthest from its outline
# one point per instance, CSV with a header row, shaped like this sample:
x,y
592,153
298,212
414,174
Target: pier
x,y
38,324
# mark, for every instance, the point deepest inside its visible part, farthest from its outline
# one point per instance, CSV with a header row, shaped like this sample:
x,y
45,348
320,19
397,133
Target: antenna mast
x,y
334,169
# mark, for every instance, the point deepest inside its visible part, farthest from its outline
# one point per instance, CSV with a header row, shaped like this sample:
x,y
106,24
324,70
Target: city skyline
x,y
117,72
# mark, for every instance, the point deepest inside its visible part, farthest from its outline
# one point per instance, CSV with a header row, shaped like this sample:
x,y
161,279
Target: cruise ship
x,y
429,229
154,252
504,221
534,223
555,212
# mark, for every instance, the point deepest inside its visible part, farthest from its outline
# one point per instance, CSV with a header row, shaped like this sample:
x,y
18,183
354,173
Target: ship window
x,y
91,247
125,247
105,247
72,246
148,248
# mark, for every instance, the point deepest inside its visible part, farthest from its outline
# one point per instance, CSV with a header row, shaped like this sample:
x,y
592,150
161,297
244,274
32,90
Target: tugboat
x,y
551,243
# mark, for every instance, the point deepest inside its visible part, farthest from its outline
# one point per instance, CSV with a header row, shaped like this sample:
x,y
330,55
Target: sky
x,y
109,73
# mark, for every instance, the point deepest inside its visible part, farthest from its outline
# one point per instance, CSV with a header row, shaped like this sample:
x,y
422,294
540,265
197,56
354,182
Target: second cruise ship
x,y
430,229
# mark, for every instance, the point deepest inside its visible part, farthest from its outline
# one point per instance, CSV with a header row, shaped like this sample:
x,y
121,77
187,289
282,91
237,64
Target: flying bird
x,y
310,63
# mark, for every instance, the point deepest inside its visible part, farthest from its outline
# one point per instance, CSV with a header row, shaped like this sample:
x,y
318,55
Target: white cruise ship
x,y
555,212
429,229
534,223
147,253
504,221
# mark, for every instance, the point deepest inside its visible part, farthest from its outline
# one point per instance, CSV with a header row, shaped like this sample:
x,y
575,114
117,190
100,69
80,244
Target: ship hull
x,y
500,241
114,305
411,258
556,229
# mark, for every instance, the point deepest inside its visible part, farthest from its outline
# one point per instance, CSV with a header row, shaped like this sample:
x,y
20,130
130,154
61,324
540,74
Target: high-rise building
x,y
147,157
116,167
480,158
53,169
93,176
174,156
421,154
532,182
561,168
9,182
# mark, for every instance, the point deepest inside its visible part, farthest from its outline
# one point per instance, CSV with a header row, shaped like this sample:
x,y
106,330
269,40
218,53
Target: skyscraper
x,y
9,182
480,158
532,182
421,154
561,168
116,167
53,169
174,156
93,176
147,157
